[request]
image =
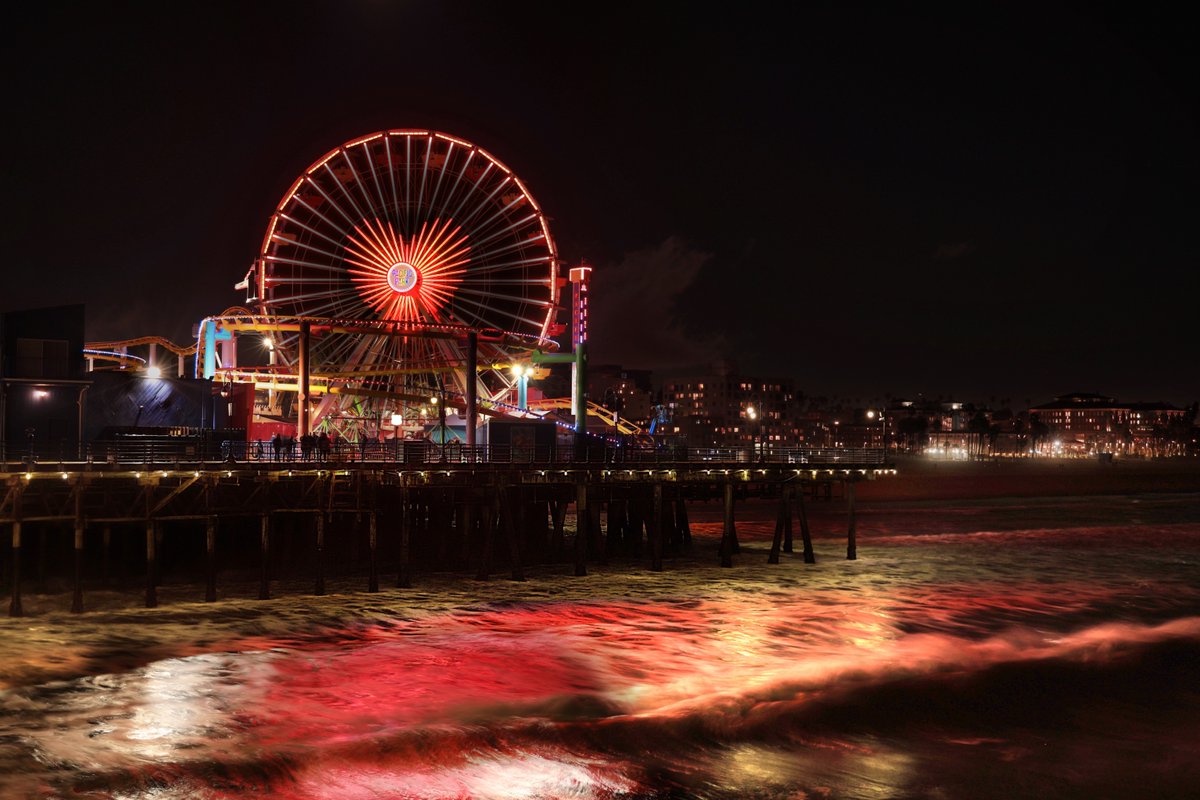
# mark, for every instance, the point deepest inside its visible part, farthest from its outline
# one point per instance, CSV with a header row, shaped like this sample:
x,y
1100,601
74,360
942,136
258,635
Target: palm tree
x,y
978,427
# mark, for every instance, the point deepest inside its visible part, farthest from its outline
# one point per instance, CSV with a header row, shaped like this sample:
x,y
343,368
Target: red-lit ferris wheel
x,y
417,228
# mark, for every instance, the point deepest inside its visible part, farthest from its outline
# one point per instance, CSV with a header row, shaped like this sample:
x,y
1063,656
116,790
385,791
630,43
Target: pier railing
x,y
419,453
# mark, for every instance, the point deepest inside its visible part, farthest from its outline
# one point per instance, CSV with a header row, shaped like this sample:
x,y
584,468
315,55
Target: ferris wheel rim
x,y
545,320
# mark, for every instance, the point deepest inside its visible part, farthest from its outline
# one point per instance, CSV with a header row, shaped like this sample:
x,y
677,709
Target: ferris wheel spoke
x,y
506,230
308,296
370,249
489,309
486,256
473,185
449,155
316,213
524,301
438,247
458,176
327,267
519,264
507,282
424,171
293,221
340,352
387,146
483,203
320,311
346,194
498,216
299,262
368,200
407,180
374,178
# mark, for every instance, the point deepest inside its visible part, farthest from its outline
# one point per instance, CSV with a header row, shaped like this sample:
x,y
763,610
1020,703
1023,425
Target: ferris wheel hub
x,y
403,277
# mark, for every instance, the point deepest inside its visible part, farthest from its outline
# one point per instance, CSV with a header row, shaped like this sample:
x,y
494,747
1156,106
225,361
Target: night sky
x,y
993,202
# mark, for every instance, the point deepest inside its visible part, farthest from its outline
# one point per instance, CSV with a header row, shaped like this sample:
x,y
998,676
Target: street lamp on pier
x,y
755,444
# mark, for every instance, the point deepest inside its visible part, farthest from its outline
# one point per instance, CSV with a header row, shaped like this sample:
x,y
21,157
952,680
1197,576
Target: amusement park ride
x,y
404,271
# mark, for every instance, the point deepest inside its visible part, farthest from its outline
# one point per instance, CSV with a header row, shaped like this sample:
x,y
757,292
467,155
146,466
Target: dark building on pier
x,y
43,382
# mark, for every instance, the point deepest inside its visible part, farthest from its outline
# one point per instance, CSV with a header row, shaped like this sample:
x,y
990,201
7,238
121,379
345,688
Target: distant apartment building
x,y
629,392
1095,423
725,409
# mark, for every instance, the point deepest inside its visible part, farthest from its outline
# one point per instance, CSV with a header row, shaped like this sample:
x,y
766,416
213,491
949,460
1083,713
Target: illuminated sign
x,y
403,277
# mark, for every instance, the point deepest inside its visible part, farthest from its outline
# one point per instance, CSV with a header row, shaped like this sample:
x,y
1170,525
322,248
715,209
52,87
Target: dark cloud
x,y
950,251
634,304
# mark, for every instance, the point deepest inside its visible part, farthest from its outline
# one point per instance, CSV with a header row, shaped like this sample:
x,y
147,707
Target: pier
x,y
480,511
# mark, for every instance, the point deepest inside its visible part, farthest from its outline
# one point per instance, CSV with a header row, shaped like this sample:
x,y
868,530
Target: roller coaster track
x,y
622,425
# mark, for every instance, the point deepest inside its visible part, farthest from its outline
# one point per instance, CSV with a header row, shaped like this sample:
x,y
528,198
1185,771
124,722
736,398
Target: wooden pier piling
x,y
727,534
210,547
77,583
581,525
14,605
852,533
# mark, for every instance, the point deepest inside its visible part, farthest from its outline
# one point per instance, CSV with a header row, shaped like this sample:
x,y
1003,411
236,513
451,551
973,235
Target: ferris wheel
x,y
423,230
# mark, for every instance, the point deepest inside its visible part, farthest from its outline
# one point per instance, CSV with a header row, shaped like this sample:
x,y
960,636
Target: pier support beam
x,y
558,515
656,512
403,578
264,544
373,549
210,552
151,562
852,532
77,590
727,534
681,520
487,520
504,501
319,553
14,605
581,528
805,536
782,518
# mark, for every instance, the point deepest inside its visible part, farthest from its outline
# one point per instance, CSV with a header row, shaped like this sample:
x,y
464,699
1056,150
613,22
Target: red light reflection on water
x,y
572,699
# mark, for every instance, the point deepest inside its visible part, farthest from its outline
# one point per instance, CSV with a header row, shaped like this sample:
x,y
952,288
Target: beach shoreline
x,y
920,478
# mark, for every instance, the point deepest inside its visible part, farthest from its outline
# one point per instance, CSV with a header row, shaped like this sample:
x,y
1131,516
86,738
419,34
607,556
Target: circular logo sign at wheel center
x,y
403,277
